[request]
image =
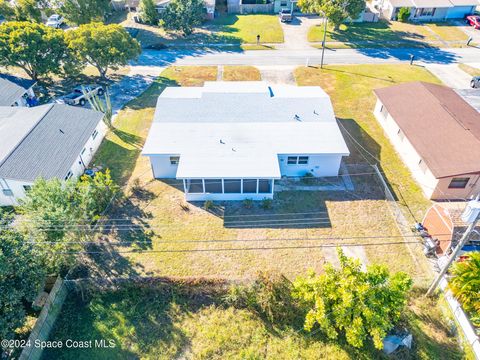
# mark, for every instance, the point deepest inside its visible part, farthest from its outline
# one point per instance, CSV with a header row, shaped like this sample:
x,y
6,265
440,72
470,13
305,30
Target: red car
x,y
473,20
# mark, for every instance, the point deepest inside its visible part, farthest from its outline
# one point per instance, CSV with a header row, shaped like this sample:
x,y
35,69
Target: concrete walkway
x,y
451,75
277,74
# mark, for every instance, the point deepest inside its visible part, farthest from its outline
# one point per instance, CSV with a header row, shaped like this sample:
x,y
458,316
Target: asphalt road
x,y
234,56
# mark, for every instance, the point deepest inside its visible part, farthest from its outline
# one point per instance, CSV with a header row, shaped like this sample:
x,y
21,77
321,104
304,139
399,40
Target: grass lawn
x,y
183,321
448,32
241,73
350,87
387,34
247,27
470,69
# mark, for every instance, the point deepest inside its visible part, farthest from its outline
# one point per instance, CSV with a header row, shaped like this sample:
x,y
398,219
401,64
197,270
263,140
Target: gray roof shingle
x,y
12,88
51,147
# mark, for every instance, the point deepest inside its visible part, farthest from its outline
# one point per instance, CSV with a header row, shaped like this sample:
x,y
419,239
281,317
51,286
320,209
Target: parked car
x,y
55,21
77,97
285,15
475,83
473,20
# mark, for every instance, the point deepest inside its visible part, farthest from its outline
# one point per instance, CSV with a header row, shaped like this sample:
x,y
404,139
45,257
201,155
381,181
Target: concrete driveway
x,y
451,75
295,32
469,30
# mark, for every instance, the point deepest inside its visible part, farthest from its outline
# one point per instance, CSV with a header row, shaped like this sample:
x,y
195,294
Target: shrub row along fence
x,y
46,320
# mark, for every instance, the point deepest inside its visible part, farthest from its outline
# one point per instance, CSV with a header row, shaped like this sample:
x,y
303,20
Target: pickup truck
x,y
55,21
285,15
76,97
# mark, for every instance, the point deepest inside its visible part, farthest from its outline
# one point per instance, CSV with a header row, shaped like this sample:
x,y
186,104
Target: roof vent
x,y
222,142
315,112
61,131
233,149
270,90
296,117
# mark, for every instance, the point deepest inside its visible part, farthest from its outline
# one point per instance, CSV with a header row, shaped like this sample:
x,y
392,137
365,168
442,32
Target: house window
x,y
27,188
7,192
302,160
427,11
249,186
458,183
174,160
283,4
195,186
384,111
69,175
94,135
401,135
292,160
422,166
232,186
213,186
264,186
297,160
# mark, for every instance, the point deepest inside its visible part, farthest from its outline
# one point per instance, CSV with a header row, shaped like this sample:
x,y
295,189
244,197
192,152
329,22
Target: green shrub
x,y
247,203
267,204
269,296
207,205
403,14
308,178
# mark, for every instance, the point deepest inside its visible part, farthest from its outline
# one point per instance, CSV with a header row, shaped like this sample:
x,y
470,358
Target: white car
x,y
55,21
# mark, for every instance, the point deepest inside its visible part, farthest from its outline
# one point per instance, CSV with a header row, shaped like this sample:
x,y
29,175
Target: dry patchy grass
x,y
241,73
473,71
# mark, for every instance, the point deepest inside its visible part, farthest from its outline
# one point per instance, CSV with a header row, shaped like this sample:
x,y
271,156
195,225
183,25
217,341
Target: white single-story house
x,y
437,135
428,10
48,141
231,140
160,6
16,91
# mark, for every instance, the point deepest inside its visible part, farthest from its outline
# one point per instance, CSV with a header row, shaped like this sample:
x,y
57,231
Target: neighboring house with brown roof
x,y
437,135
429,10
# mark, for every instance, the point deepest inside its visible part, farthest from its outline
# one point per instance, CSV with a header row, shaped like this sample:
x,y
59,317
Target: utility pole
x,y
324,38
471,215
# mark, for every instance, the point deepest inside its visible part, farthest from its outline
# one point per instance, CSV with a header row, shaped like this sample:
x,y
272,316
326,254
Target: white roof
x,y
16,122
238,129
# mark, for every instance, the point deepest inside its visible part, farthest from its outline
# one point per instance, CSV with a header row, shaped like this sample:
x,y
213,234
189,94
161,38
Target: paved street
x,y
201,56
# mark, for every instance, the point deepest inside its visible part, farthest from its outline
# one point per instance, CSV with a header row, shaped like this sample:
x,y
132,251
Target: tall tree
x,y
182,15
21,277
465,284
28,10
358,304
6,10
60,213
80,12
148,12
37,49
103,46
336,11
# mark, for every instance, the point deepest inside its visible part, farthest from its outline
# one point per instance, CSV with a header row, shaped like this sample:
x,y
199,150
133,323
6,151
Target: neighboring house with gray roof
x,y
48,141
428,10
231,140
15,91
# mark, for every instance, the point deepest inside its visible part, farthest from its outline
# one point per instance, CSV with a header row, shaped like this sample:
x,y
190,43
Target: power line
x,y
238,249
160,241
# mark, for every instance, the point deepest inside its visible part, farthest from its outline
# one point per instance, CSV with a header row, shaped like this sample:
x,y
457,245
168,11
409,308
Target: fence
x,y
45,321
462,320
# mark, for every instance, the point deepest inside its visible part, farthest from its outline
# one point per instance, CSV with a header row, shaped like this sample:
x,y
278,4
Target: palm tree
x,y
465,284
